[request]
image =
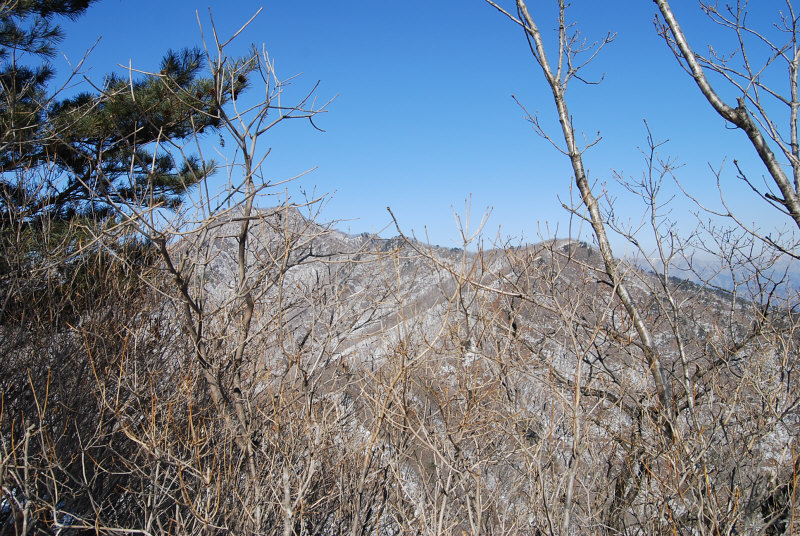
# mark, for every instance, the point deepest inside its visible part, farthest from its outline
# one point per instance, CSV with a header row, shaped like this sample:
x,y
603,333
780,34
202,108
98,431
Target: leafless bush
x,y
683,396
227,368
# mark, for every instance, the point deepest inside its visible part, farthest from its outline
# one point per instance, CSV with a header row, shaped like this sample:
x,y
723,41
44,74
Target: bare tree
x,y
242,369
769,132
690,470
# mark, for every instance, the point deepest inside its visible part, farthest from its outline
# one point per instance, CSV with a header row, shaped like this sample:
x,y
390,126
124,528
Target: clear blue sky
x,y
423,116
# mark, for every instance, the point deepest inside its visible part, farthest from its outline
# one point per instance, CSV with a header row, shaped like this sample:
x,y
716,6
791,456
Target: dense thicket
x,y
231,369
74,278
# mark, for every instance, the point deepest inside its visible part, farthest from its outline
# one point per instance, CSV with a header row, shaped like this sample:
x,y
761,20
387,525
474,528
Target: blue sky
x,y
423,116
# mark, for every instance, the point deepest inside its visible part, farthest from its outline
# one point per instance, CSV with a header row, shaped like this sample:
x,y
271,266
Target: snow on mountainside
x,y
377,286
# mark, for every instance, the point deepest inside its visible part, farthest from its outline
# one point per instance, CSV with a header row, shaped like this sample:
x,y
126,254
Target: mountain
x,y
503,378
268,374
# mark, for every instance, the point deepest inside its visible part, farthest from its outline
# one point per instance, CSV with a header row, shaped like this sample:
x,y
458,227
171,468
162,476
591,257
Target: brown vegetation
x,y
225,369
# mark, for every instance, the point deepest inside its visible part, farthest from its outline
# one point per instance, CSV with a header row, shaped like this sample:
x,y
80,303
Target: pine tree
x,y
102,149
71,166
113,146
28,38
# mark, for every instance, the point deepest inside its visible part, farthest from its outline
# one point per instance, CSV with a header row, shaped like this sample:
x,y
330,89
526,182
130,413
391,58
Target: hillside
x,y
307,381
469,388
